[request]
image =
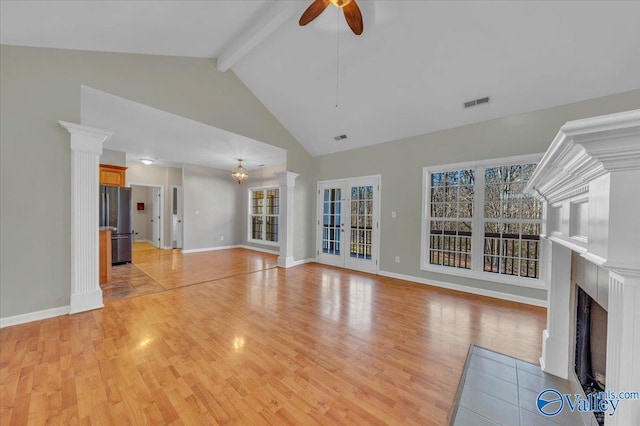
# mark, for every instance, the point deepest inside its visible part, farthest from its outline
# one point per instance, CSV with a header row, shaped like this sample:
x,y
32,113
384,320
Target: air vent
x,y
340,137
475,102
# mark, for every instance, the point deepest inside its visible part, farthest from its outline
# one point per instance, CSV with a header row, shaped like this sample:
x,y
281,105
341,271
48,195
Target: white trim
x,y
200,250
160,207
180,214
87,139
263,242
86,301
342,260
290,263
263,250
86,147
478,221
330,181
270,21
264,215
166,248
303,261
502,161
466,289
285,262
34,316
536,283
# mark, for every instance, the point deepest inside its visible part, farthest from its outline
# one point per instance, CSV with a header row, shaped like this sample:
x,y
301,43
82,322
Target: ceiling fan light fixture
x,y
349,7
340,3
239,174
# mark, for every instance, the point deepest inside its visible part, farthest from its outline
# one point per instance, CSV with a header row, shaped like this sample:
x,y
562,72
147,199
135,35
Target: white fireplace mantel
x,y
589,181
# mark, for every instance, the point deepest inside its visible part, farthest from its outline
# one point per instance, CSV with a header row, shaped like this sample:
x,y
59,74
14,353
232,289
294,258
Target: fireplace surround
x,y
589,182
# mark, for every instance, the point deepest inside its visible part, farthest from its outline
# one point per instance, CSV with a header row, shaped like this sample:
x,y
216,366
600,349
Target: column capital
x,y
85,138
287,179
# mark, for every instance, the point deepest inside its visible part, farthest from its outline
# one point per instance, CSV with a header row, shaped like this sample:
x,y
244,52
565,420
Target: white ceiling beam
x,y
277,15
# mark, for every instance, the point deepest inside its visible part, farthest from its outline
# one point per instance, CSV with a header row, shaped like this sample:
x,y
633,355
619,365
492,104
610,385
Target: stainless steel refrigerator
x,y
115,212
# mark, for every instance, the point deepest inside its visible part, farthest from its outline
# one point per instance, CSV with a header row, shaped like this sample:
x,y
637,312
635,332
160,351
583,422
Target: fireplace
x,y
591,346
591,343
588,182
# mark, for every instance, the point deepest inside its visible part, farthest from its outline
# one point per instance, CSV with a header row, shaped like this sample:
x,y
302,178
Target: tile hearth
x,y
497,389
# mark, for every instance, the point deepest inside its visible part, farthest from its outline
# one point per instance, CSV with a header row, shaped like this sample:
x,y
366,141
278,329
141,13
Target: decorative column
x,y
86,148
623,342
556,338
287,182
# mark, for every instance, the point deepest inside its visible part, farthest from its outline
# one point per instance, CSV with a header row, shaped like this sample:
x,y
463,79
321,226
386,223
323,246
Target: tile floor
x,y
127,280
501,390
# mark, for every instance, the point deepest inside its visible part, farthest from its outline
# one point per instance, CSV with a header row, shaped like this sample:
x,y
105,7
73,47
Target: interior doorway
x,y
348,223
147,201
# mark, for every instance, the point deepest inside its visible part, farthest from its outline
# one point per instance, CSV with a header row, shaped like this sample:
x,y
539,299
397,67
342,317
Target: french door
x,y
348,223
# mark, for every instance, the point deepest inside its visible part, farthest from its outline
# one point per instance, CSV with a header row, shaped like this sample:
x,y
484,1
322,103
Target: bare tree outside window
x,y
451,215
509,229
512,222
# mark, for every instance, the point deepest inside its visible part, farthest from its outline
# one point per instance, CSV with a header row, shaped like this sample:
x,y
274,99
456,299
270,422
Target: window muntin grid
x,y
451,216
508,259
360,240
331,220
264,212
512,222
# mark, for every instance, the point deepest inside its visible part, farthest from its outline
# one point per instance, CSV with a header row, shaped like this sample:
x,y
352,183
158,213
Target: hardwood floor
x,y
172,269
306,345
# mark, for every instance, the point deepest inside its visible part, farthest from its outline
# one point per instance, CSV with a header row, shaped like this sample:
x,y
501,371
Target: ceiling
x,y
409,73
168,139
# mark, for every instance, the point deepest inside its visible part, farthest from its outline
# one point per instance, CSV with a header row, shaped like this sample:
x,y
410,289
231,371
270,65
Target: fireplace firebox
x,y
591,346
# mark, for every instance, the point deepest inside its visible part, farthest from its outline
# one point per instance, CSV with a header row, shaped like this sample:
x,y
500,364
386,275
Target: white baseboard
x,y
34,316
200,250
466,289
303,261
263,250
167,248
87,301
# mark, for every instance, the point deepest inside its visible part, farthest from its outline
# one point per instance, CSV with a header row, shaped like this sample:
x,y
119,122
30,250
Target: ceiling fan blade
x,y
354,17
312,12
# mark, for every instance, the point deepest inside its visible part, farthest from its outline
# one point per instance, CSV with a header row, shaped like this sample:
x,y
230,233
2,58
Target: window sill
x,y
535,283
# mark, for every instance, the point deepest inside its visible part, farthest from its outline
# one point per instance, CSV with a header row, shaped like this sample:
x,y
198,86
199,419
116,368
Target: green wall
x,y
400,163
41,86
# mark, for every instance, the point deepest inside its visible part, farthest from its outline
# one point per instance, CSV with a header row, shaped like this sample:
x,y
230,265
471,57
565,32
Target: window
x,y
451,219
264,211
479,223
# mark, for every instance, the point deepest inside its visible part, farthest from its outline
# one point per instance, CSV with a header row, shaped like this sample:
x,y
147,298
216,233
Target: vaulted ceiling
x,y
409,73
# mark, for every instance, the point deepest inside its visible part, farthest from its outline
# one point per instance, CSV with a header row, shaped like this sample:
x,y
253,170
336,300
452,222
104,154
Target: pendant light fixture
x,y
239,174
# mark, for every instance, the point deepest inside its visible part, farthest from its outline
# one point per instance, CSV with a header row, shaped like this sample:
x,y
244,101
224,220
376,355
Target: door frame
x,y
180,212
160,207
377,207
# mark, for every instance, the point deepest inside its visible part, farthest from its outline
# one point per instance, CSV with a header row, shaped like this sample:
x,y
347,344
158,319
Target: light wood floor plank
x,y
306,345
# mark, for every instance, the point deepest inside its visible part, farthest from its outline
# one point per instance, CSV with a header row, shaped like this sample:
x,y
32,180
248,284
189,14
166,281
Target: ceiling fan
x,y
349,7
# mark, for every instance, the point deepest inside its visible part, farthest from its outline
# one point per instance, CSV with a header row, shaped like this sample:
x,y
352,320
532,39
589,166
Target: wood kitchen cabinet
x,y
112,175
105,256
